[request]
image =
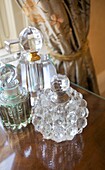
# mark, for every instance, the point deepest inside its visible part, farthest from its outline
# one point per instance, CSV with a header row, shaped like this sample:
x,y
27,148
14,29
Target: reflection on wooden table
x,y
27,150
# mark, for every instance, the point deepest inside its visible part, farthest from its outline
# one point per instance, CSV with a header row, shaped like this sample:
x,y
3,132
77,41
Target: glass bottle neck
x,y
11,92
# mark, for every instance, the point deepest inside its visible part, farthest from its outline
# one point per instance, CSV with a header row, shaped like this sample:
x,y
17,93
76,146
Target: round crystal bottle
x,y
15,107
60,112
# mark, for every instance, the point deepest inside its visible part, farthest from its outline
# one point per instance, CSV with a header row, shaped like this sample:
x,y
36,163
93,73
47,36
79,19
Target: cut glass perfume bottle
x,y
60,112
36,71
31,42
15,108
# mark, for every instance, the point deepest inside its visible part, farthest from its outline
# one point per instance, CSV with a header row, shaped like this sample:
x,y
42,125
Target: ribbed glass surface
x,y
17,114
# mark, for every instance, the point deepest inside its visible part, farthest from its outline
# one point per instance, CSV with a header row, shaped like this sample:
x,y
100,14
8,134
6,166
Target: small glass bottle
x,y
15,107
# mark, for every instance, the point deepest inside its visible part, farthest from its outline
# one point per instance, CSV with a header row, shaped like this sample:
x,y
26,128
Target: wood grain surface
x,y
27,150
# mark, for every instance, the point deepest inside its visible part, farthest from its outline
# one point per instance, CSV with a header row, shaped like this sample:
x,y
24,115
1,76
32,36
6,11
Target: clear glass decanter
x,y
15,107
60,112
36,67
31,42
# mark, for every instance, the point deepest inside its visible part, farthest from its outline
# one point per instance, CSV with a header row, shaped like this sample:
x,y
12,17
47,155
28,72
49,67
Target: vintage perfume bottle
x,y
15,107
31,42
36,68
60,112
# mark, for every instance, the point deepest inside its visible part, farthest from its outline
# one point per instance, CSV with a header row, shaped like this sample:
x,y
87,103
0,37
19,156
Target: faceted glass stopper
x,y
31,39
60,83
7,75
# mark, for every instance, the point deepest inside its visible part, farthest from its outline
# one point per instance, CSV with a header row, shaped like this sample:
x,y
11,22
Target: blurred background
x,y
13,20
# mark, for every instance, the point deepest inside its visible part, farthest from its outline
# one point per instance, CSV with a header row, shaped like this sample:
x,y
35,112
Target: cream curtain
x,y
4,29
65,26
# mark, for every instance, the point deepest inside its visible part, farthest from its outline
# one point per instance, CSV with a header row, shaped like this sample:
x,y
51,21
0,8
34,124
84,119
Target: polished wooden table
x,y
29,151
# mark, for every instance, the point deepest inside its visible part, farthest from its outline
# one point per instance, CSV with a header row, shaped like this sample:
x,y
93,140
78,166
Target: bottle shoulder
x,y
14,100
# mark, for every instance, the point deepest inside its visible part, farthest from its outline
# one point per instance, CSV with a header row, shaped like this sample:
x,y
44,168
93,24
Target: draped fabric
x,y
65,26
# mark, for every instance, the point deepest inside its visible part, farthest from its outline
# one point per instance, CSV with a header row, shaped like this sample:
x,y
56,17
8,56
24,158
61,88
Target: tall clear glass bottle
x,y
15,107
36,67
31,42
